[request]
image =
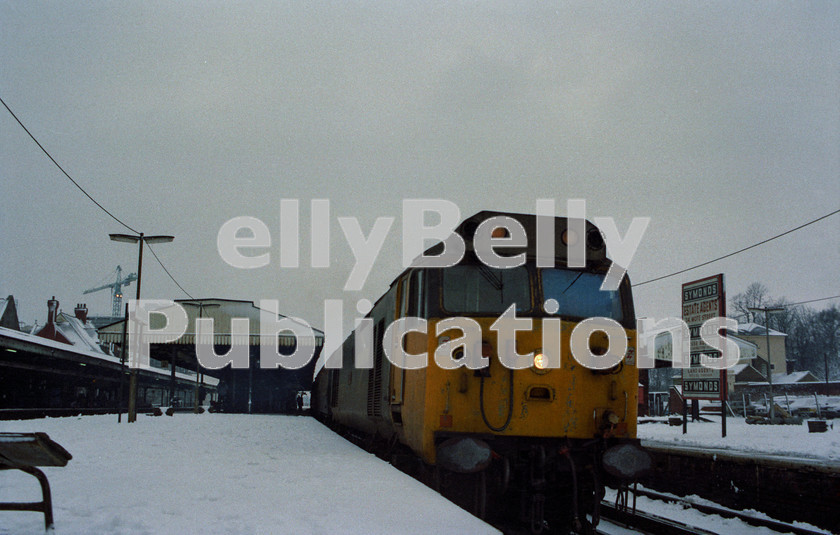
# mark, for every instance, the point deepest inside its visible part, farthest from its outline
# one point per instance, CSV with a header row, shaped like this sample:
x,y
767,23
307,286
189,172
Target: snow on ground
x,y
796,403
241,474
713,523
221,473
786,440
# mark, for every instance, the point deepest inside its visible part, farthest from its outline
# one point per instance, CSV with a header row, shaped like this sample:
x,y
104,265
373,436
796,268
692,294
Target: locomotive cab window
x,y
476,288
579,296
412,298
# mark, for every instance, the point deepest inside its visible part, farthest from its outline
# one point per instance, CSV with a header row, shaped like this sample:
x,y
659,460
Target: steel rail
x,y
648,523
725,512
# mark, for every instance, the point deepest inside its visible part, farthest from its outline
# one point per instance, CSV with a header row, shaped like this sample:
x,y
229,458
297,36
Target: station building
x,y
65,366
255,389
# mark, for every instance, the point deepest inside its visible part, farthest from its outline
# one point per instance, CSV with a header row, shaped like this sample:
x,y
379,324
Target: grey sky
x,y
720,122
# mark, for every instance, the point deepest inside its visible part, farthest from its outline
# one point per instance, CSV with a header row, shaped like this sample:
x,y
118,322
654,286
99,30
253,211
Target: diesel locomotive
x,y
506,422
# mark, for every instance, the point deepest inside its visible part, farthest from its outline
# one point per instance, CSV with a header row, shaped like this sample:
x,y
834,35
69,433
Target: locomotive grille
x,y
374,399
333,388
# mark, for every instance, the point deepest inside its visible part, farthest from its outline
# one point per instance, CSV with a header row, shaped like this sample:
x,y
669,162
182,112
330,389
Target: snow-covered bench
x,y
25,451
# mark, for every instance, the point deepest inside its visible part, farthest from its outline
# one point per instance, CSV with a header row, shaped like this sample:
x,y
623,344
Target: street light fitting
x,y
139,239
198,304
130,238
766,309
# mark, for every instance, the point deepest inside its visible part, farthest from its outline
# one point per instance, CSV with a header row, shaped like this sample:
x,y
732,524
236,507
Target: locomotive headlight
x,y
540,363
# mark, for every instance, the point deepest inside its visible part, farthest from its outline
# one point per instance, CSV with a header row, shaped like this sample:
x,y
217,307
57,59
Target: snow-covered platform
x,y
781,470
785,461
788,442
226,474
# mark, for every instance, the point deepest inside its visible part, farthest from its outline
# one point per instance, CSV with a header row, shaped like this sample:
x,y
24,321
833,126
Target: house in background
x,y
64,368
795,377
73,329
751,340
758,335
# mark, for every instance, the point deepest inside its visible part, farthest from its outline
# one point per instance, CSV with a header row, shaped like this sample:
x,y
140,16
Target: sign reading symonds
x,y
702,300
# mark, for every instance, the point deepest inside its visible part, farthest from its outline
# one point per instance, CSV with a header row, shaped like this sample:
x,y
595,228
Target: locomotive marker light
x,y
506,232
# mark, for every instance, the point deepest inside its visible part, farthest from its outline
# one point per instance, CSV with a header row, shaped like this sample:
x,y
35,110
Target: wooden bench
x,y
25,451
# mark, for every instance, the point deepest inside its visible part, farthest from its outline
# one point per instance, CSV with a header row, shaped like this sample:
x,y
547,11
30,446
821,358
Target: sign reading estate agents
x,y
702,300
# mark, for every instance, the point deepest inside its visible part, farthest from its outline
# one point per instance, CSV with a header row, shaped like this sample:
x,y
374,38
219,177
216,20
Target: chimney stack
x,y
81,312
52,311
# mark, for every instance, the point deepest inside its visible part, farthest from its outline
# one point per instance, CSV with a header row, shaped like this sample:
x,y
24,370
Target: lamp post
x,y
201,306
139,239
767,311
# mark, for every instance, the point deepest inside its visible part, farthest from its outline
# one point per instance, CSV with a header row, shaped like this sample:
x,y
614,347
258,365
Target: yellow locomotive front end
x,y
552,394
521,396
570,401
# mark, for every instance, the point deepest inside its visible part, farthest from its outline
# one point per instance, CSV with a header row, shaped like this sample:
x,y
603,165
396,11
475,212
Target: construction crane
x,y
116,291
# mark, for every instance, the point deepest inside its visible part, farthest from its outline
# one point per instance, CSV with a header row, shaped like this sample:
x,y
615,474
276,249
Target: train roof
x,y
545,237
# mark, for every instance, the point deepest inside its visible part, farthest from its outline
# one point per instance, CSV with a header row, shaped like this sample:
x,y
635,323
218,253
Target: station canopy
x,y
221,311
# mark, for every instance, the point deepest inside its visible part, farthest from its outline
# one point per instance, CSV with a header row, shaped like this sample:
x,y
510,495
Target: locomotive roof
x,y
595,246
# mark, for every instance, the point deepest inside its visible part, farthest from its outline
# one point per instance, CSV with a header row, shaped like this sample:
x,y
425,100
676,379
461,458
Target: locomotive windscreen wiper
x,y
572,283
487,273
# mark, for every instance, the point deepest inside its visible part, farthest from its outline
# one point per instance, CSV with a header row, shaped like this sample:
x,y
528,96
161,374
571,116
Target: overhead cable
x,y
115,218
167,272
739,250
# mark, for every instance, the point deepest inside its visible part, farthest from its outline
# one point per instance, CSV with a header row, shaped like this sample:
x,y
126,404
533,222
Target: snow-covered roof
x,y
795,377
89,352
78,333
746,373
747,349
754,329
738,368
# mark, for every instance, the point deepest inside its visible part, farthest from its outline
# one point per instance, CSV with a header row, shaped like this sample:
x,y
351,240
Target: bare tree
x,y
755,296
814,342
784,320
813,337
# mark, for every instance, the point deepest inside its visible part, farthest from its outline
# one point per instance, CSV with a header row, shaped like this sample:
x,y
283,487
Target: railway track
x,y
788,488
654,525
646,523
